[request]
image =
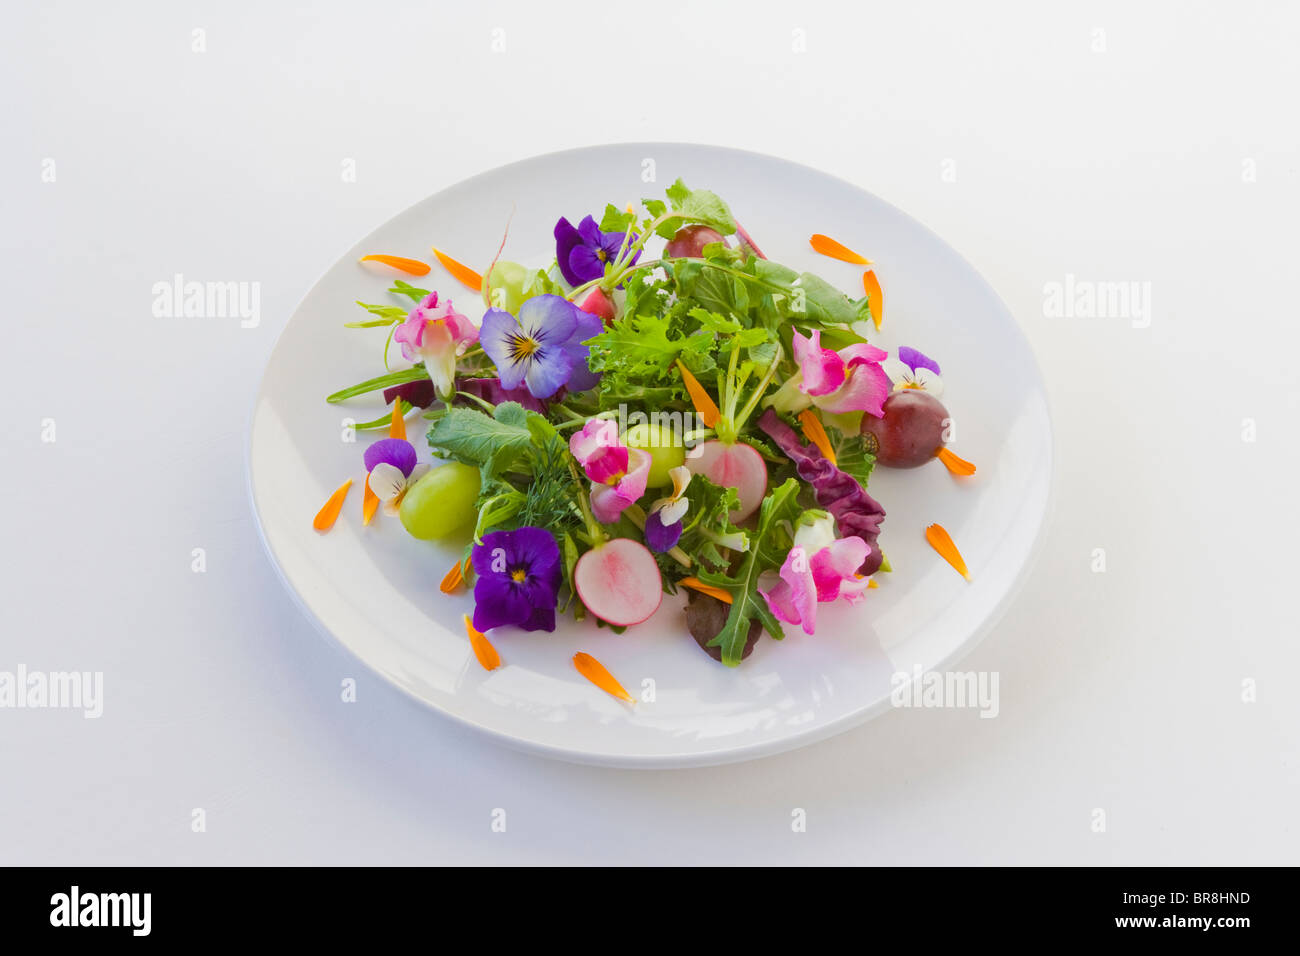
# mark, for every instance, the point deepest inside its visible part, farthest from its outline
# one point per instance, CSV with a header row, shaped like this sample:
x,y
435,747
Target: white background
x,y
1155,144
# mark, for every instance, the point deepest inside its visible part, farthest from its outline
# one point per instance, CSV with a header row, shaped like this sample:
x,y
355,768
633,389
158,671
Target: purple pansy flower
x,y
581,253
913,369
543,347
518,579
391,470
663,524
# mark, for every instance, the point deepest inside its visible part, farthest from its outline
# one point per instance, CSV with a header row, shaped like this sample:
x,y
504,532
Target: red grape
x,y
911,432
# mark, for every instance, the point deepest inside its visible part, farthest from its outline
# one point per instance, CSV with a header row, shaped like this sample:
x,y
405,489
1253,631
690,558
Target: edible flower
x,y
517,579
912,369
618,474
850,380
582,252
542,348
436,333
820,568
391,468
663,523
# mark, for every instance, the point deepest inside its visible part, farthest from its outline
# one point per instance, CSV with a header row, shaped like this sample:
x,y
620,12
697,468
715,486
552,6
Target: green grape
x,y
665,450
506,283
441,504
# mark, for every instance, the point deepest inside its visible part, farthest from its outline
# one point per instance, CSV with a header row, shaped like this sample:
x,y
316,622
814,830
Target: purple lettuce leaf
x,y
855,511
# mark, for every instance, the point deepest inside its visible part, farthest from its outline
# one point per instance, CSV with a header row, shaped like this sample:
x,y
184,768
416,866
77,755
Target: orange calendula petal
x,y
875,297
328,514
829,247
369,504
703,402
695,584
487,654
941,541
957,465
397,428
412,267
461,272
815,433
595,672
453,580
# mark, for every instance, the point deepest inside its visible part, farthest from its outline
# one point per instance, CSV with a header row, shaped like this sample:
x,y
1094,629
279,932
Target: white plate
x,y
375,589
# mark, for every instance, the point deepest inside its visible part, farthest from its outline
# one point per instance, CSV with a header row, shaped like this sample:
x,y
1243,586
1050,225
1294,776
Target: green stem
x,y
595,534
486,406
383,421
726,424
757,395
400,377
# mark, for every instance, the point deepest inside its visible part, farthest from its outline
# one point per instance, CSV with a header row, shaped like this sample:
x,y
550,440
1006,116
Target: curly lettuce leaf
x,y
708,534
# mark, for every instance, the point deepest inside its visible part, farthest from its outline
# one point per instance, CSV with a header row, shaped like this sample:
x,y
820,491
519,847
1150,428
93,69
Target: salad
x,y
661,409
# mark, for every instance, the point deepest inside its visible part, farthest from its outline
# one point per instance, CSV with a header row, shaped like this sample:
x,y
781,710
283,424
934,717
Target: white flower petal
x,y
387,481
898,371
681,476
674,511
929,380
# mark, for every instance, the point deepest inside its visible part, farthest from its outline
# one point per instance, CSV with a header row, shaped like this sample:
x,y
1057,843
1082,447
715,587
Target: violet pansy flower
x,y
517,579
542,348
618,474
913,369
820,568
663,523
436,333
391,470
581,252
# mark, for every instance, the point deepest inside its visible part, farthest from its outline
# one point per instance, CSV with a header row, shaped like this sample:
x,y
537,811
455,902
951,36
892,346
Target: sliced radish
x,y
689,242
738,466
619,582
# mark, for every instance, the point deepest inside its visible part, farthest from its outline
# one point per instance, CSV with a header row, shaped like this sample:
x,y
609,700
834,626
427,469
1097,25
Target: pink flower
x,y
850,380
618,474
436,333
820,568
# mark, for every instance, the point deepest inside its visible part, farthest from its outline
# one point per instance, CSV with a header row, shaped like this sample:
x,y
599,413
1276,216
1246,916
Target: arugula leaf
x,y
697,206
767,551
616,220
709,288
